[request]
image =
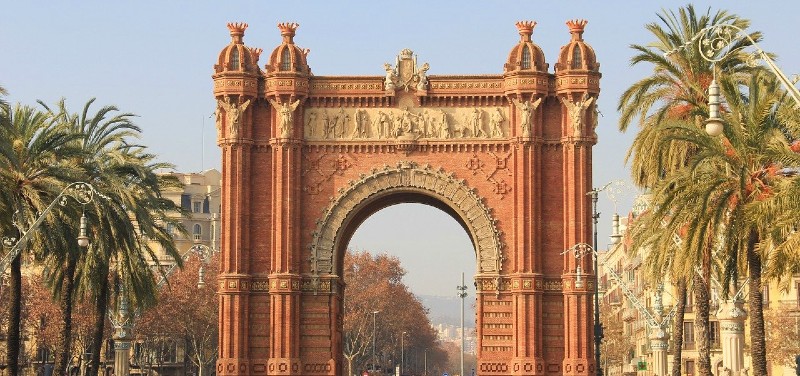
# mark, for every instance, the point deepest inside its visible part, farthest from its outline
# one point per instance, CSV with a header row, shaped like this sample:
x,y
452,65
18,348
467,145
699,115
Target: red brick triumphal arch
x,y
307,158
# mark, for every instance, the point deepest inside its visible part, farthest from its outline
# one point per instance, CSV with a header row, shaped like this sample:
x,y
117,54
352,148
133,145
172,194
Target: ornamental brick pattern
x,y
306,159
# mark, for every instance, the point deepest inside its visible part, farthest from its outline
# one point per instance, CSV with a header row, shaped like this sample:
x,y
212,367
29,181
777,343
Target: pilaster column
x,y
284,277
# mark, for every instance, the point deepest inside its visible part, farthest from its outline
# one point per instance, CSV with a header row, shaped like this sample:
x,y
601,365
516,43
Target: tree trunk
x,y
62,355
677,331
15,316
758,346
101,311
702,339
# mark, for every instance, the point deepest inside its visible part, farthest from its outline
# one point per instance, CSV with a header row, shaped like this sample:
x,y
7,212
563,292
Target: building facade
x,y
728,330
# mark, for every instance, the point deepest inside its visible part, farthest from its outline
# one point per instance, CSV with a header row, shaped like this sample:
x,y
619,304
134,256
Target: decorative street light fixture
x,y
714,44
714,40
80,191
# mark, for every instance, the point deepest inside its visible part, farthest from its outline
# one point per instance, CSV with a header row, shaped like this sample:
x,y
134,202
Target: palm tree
x,y
131,210
33,169
721,201
675,94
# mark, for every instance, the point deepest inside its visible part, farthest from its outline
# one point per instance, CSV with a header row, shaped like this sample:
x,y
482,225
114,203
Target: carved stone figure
x,y
407,120
425,126
360,121
286,115
311,123
341,123
526,110
577,111
385,124
218,119
391,77
476,123
397,126
422,76
495,123
444,126
233,114
325,123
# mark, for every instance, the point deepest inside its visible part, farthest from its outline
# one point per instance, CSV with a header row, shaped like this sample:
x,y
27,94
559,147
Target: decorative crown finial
x,y
406,54
525,29
576,28
256,52
237,28
287,30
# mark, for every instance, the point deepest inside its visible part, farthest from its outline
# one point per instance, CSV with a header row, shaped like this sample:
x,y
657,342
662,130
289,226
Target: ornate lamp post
x,y
123,321
80,191
598,326
714,44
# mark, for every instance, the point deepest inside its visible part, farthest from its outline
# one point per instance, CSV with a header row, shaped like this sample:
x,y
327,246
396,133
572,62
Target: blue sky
x,y
155,59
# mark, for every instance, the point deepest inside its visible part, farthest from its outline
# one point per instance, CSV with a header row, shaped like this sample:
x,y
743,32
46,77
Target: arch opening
x,y
405,183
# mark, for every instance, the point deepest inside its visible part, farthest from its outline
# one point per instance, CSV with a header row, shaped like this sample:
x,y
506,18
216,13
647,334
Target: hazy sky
x,y
155,59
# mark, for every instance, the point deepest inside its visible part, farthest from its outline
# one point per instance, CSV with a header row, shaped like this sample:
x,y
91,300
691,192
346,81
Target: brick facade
x,y
307,158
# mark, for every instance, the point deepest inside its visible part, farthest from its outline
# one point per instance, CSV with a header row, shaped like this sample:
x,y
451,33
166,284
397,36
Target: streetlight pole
x,y
462,293
402,352
123,321
426,361
598,327
374,326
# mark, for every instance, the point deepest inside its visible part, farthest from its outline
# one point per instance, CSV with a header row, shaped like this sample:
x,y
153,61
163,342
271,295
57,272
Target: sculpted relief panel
x,y
407,123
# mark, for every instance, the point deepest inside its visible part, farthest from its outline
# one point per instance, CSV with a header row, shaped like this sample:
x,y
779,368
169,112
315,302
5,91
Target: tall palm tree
x,y
675,93
130,210
720,200
34,152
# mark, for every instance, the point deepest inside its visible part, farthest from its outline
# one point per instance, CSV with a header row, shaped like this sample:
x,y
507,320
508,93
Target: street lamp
x,y
579,251
462,293
123,320
82,192
402,352
374,326
714,44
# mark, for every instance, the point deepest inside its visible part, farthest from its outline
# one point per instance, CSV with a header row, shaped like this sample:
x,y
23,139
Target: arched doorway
x,y
401,310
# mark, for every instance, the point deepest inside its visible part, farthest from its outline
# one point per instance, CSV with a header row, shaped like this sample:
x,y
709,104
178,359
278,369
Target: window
x,y
713,333
235,58
689,302
688,367
186,201
765,296
797,292
198,231
577,59
688,335
286,60
170,229
197,207
526,58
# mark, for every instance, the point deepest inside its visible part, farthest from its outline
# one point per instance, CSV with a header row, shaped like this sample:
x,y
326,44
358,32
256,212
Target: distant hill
x,y
447,310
